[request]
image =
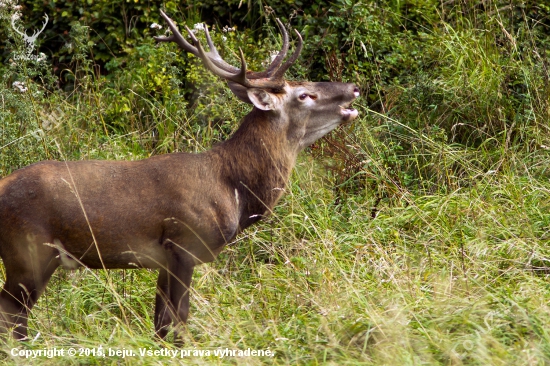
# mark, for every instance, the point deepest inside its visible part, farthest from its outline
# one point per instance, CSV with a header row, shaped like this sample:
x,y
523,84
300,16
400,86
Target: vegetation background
x,y
418,234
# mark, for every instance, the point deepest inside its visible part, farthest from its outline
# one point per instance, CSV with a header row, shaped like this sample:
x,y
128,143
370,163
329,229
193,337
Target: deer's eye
x,y
303,96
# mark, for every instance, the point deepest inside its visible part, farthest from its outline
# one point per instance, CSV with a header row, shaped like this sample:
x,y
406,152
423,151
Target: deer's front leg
x,y
162,310
180,286
172,302
186,246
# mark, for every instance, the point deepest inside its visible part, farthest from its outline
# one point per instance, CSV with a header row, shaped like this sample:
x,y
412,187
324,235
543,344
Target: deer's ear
x,y
239,91
261,99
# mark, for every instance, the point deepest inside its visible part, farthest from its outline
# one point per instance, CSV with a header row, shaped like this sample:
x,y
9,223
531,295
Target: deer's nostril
x,y
356,92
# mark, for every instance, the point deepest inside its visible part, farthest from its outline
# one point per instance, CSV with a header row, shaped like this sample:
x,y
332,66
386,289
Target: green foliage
x,y
470,92
21,138
116,25
21,115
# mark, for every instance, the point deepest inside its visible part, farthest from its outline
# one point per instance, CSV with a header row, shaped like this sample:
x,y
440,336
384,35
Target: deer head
x,y
29,40
309,110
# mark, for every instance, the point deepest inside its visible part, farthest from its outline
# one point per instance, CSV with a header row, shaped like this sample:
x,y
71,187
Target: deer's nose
x,y
356,92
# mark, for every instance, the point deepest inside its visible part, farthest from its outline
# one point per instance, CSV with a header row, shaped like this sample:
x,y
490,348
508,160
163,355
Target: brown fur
x,y
169,212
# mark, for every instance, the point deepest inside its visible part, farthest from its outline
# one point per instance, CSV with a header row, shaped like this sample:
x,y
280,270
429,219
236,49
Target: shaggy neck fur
x,y
257,162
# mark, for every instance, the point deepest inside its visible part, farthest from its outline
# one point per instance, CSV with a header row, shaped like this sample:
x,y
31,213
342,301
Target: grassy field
x,y
419,234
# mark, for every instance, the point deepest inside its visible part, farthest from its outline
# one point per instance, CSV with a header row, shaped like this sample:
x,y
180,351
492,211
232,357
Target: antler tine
x,y
176,36
24,34
214,55
213,48
238,77
37,32
282,53
45,23
277,60
281,70
180,40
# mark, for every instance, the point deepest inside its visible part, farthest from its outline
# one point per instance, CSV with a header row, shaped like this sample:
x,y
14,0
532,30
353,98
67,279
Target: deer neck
x,y
257,162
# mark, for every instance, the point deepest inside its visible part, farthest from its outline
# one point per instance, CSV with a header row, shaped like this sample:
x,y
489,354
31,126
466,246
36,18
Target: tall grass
x,y
418,235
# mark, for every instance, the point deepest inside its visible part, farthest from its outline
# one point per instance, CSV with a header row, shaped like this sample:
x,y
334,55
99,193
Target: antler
x,y
35,34
13,18
271,78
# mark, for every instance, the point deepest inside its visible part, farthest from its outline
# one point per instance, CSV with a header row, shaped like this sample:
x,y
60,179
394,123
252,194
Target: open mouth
x,y
348,113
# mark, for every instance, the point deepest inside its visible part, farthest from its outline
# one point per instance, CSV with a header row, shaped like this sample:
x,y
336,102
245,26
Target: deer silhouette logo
x,y
29,40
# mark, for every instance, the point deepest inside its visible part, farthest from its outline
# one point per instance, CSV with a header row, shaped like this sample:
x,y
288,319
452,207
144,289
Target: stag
x,y
170,212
